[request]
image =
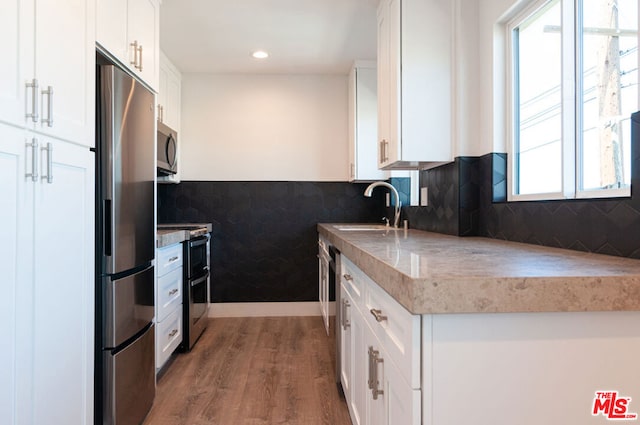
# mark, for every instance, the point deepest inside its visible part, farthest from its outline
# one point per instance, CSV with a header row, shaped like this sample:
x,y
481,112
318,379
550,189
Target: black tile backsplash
x,y
264,239
468,197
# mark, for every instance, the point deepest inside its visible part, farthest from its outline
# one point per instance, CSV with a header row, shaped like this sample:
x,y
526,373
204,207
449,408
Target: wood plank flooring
x,y
253,371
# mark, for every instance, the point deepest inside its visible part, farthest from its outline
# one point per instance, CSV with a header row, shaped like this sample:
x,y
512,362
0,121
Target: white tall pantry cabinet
x,y
47,218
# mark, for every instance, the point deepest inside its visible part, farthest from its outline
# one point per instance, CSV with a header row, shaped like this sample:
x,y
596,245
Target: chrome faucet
x,y
369,190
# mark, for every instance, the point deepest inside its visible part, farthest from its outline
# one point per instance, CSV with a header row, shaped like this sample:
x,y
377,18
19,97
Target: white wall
x,y
264,128
480,79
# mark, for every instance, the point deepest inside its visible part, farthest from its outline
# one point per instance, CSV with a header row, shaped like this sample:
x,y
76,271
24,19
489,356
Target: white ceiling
x,y
302,36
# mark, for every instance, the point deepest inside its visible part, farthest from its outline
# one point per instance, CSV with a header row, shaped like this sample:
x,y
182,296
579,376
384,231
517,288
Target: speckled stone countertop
x,y
434,273
166,237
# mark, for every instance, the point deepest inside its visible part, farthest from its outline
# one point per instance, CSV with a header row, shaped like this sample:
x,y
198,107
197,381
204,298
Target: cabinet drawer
x,y
169,293
397,330
169,258
354,281
169,336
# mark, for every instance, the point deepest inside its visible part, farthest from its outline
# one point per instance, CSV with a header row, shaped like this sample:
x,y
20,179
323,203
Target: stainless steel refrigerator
x,y
125,235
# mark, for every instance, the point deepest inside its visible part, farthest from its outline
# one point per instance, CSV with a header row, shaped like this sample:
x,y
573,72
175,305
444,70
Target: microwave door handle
x,y
171,161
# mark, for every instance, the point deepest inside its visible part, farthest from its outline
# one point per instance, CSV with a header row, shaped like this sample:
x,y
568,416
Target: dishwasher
x,y
329,290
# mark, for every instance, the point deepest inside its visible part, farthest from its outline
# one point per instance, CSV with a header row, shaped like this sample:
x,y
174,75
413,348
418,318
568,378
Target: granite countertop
x,y
434,273
172,233
166,237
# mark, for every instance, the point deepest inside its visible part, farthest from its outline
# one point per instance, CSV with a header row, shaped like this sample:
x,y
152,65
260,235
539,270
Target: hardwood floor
x,y
253,371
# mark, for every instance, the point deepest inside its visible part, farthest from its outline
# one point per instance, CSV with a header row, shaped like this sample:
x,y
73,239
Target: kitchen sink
x,y
361,227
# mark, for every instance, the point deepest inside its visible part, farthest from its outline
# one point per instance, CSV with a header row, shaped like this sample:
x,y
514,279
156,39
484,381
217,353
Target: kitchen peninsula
x,y
475,330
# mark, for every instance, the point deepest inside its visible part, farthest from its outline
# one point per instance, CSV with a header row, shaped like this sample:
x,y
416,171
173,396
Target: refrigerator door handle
x,y
107,227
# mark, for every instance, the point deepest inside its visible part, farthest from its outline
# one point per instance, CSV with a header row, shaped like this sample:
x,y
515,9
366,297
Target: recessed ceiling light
x,y
260,54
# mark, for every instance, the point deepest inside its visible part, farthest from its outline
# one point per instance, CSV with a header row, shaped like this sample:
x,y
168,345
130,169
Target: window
x,y
573,84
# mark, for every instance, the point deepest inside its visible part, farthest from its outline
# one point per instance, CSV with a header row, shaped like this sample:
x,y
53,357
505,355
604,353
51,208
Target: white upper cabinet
x,y
169,91
111,27
36,91
363,119
414,83
129,31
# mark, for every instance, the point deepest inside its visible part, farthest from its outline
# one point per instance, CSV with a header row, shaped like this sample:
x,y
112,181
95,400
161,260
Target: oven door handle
x,y
199,280
198,242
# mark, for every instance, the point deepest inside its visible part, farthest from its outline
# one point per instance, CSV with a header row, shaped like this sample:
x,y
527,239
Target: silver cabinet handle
x,y
374,381
381,151
33,85
378,315
173,333
34,160
345,322
347,277
172,259
49,150
173,291
370,379
385,158
49,93
134,62
140,57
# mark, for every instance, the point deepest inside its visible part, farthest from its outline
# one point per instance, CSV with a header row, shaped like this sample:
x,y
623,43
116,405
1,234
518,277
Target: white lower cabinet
x,y
47,284
484,369
168,302
376,387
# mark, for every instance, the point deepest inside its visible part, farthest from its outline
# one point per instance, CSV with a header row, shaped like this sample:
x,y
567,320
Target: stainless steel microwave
x,y
167,140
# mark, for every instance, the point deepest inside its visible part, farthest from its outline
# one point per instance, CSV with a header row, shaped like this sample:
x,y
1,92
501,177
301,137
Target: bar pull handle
x,y
381,150
347,277
140,57
173,333
375,381
49,93
49,150
370,380
33,85
173,259
173,291
134,62
345,322
378,315
34,160
107,226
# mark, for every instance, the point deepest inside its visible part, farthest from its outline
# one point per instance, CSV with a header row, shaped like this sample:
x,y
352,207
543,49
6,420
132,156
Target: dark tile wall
x,y
468,197
607,226
264,239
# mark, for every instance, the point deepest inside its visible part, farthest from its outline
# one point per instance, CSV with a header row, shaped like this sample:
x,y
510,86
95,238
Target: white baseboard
x,y
310,308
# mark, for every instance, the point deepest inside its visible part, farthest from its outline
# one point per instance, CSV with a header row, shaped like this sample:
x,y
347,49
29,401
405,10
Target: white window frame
x,y
571,120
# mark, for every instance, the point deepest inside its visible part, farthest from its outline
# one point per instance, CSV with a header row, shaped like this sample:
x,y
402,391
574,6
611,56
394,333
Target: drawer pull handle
x,y
173,291
378,315
348,277
173,333
172,259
